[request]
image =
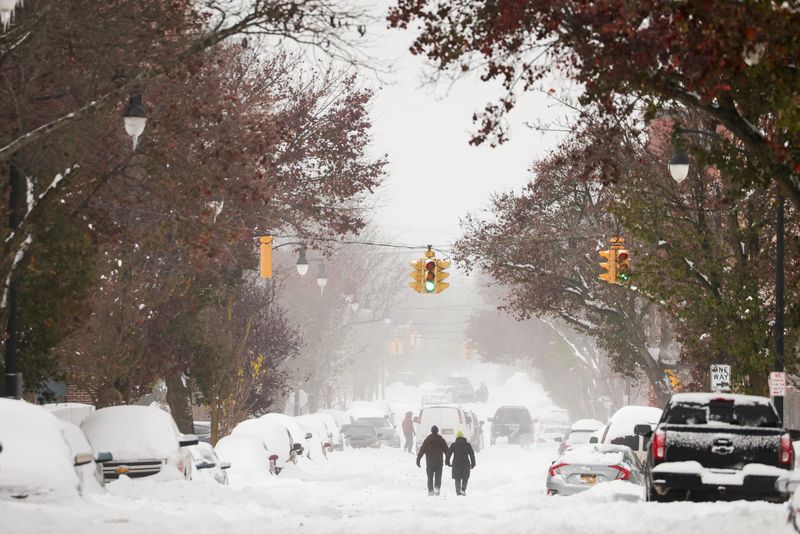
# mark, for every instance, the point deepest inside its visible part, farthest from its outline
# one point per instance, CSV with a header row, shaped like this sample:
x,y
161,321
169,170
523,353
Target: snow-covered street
x,y
366,491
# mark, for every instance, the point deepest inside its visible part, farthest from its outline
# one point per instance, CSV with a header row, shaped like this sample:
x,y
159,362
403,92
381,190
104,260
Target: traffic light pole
x,y
779,283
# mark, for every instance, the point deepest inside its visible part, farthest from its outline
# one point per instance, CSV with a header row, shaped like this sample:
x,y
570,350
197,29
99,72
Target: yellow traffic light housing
x,y
418,275
265,252
441,275
429,273
610,265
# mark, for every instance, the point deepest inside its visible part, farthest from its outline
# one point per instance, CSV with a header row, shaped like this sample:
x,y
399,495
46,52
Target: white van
x,y
450,420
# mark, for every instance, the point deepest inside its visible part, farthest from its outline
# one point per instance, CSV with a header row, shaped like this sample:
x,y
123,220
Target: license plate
x,y
447,431
589,479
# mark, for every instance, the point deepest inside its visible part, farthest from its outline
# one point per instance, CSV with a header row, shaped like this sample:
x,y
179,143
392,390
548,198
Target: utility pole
x,y
779,282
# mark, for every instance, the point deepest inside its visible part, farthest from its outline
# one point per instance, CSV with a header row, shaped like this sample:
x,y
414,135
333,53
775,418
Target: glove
x,y
473,466
418,464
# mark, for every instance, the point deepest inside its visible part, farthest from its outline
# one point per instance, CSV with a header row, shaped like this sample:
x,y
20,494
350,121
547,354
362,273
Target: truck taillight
x,y
787,451
554,469
659,445
623,474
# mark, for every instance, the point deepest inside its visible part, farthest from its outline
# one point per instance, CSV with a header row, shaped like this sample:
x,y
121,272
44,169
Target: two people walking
x,y
436,452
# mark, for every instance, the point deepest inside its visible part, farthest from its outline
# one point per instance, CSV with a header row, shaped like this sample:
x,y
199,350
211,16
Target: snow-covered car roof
x,y
74,412
644,414
132,432
272,434
363,413
705,398
594,454
246,453
298,436
340,417
36,458
586,425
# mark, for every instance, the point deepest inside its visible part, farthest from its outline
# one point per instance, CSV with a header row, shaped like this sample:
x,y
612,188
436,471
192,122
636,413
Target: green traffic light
x,y
430,286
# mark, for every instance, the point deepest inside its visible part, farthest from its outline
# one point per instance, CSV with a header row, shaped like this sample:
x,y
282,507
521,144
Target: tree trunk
x,y
179,398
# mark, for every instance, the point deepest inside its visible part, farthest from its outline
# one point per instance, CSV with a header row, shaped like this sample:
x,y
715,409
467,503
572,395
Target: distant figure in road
x,y
408,431
434,448
462,458
483,393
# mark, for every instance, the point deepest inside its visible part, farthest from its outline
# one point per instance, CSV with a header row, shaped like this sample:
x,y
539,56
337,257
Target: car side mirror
x,y
103,457
643,430
83,459
558,439
308,435
297,447
206,465
225,465
794,434
187,440
594,439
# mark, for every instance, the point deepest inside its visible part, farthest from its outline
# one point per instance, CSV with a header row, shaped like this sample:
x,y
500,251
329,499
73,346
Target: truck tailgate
x,y
724,446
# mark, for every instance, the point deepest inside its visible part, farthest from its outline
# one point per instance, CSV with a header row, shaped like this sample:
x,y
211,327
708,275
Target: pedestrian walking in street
x,y
408,431
434,448
462,459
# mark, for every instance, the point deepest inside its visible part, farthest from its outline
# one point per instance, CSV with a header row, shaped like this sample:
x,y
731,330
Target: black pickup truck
x,y
717,446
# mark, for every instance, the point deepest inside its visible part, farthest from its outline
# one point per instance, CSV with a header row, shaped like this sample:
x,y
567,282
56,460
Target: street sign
x,y
720,377
777,384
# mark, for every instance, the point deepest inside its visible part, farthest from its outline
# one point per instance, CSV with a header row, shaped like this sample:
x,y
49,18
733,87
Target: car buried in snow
x,y
360,436
579,433
716,446
581,468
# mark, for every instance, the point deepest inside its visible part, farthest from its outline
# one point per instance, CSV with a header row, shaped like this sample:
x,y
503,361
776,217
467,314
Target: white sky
x,y
434,175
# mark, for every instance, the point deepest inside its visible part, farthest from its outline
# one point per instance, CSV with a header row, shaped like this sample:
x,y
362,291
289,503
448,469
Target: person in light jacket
x,y
462,458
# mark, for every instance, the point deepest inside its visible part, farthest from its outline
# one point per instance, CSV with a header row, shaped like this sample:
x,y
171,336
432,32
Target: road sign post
x,y
777,384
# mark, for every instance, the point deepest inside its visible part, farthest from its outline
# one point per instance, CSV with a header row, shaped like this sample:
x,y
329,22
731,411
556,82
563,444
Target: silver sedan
x,y
581,468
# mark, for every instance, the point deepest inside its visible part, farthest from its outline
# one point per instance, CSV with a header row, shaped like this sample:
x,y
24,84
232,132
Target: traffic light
x,y
623,266
418,275
265,250
672,376
441,274
430,275
610,265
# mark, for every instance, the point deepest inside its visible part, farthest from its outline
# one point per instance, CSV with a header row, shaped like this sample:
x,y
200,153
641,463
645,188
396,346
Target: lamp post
x,y
322,277
135,118
302,262
679,169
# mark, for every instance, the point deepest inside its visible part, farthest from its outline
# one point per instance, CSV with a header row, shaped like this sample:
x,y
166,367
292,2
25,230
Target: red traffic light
x,y
622,256
430,265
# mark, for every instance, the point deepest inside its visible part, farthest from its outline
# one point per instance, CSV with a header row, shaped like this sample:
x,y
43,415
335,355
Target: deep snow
x,y
383,491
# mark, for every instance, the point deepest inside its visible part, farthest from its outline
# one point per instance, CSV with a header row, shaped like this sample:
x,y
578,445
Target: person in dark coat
x,y
434,448
408,431
462,458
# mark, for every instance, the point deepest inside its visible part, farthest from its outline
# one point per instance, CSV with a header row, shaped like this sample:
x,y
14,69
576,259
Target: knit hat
x,y
459,434
434,429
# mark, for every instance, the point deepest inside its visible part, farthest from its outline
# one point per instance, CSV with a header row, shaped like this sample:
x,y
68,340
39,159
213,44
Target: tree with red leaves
x,y
735,62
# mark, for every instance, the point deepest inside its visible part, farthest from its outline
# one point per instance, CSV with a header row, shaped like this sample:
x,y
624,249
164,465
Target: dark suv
x,y
514,423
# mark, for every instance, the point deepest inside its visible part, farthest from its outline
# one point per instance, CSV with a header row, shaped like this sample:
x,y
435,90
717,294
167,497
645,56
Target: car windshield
x,y
722,411
513,415
579,436
375,422
358,431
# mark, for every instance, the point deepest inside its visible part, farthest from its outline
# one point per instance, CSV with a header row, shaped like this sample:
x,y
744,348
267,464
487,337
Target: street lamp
x,y
679,169
135,118
302,262
322,277
7,12
679,166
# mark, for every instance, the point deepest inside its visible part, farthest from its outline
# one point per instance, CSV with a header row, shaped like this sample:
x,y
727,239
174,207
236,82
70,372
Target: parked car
x,y
316,422
207,464
717,446
579,433
512,422
317,445
359,436
474,432
583,467
386,432
73,412
462,390
621,425
341,417
450,419
337,441
552,432
202,429
90,473
35,458
438,395
300,439
143,440
274,435
248,456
